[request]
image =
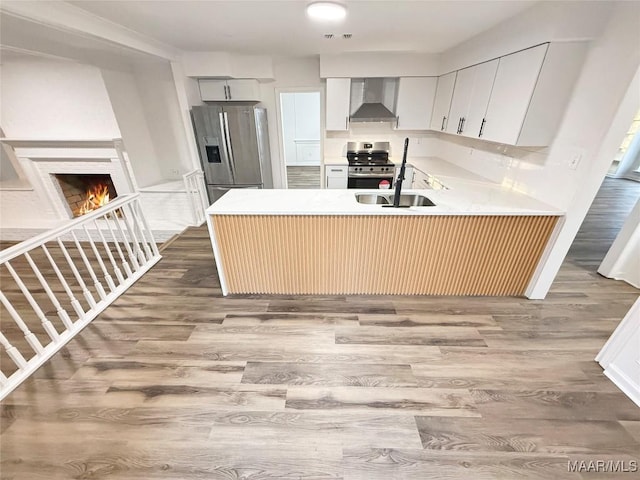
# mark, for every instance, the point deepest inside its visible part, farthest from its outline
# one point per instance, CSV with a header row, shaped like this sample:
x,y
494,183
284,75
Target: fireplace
x,y
85,192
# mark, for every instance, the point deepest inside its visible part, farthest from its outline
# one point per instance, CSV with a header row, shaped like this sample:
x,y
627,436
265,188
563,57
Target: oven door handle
x,y
368,175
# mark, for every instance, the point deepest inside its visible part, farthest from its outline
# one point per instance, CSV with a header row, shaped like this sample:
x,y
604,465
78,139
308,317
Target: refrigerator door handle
x,y
229,148
225,143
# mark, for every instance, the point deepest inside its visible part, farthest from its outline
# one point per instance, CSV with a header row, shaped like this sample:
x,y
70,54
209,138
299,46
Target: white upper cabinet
x,y
470,98
338,103
242,90
531,92
442,103
512,92
415,102
213,90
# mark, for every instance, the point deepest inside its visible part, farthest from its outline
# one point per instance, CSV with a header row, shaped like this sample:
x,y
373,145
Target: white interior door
x,y
300,133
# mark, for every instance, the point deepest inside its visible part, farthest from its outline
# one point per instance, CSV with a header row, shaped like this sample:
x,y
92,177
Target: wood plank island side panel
x,y
395,255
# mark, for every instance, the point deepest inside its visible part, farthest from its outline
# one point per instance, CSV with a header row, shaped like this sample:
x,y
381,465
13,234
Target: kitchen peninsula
x,y
480,238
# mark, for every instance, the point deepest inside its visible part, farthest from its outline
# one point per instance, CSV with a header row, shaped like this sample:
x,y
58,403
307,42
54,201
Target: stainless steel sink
x,y
372,198
414,200
406,200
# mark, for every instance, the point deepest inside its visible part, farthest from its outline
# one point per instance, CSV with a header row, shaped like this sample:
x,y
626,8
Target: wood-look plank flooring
x,y
303,176
174,381
615,199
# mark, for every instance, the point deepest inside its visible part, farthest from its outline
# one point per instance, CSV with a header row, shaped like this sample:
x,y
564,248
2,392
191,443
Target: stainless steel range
x,y
369,165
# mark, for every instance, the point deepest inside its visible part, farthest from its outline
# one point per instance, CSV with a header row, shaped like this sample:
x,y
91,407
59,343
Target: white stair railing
x,y
54,284
196,191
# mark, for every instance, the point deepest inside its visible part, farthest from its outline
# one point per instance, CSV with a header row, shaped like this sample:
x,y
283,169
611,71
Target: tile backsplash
x,y
420,143
530,170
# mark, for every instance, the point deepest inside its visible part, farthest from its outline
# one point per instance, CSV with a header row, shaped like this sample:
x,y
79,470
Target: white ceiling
x,y
282,28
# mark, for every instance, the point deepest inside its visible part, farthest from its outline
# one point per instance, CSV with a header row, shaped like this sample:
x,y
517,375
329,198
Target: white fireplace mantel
x,y
40,159
40,205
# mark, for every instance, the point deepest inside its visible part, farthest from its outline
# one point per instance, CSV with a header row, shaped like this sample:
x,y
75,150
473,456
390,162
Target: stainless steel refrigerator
x,y
233,142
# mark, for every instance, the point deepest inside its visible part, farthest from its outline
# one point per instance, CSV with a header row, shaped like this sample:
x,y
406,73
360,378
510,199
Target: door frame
x,y
282,166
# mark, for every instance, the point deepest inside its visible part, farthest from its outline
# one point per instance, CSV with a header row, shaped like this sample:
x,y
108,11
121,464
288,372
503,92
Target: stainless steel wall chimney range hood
x,y
373,99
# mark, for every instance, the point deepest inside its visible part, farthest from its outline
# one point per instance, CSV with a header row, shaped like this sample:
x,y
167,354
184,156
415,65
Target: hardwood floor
x,y
615,199
175,381
303,177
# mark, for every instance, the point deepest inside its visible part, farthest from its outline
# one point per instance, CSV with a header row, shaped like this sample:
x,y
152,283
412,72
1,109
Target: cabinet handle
x,y
462,124
226,97
336,169
346,122
484,120
442,126
229,90
459,122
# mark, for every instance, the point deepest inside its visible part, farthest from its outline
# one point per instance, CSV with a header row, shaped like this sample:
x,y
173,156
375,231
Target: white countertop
x,y
336,161
431,165
441,169
474,199
466,194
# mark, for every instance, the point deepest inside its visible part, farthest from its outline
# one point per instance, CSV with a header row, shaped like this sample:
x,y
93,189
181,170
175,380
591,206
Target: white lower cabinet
x,y
420,180
423,181
335,176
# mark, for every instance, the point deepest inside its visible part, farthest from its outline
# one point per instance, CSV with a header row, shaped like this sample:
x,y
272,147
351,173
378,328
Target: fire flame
x,y
97,196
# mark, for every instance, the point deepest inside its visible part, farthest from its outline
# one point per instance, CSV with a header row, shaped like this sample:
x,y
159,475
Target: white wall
x,y
42,98
544,22
192,91
7,170
225,64
48,99
288,124
379,64
130,114
147,109
159,101
421,144
595,122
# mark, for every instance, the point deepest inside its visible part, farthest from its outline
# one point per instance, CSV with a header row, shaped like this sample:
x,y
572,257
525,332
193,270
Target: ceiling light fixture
x,y
328,11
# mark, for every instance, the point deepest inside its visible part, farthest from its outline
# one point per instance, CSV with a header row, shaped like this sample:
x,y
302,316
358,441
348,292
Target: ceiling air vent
x,y
328,36
346,36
